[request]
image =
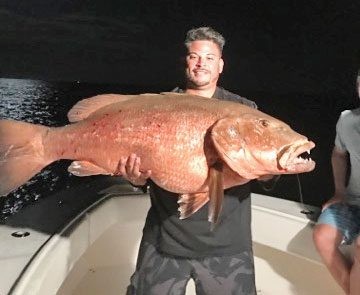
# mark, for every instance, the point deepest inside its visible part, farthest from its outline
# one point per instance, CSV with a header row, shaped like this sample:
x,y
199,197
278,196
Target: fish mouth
x,y
294,158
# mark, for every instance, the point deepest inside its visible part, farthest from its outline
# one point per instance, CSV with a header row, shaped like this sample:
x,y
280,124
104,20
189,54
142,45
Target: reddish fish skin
x,y
170,128
176,136
171,132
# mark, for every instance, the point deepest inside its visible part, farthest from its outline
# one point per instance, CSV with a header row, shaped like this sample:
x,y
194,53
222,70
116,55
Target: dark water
x,y
47,103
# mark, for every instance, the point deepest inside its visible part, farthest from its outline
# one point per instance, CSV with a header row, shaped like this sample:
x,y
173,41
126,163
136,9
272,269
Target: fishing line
x,y
308,212
270,185
300,190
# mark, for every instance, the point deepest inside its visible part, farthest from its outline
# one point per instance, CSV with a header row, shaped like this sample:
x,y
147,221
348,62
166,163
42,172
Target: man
x,y
172,250
340,219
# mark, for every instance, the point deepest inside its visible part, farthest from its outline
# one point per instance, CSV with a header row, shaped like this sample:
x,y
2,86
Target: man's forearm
x,y
339,161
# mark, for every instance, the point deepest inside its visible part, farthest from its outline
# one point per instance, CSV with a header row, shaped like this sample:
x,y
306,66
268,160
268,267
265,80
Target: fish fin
x,y
216,193
85,168
190,203
228,140
171,93
84,108
21,153
149,94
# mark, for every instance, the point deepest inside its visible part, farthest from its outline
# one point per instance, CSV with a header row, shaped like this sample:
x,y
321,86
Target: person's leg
x,y
327,240
355,270
334,223
227,275
158,274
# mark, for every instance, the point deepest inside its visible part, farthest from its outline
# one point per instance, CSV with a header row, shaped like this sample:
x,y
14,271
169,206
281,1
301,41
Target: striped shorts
x,y
345,218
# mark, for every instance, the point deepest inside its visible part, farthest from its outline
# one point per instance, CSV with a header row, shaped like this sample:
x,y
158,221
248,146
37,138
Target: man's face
x,y
203,64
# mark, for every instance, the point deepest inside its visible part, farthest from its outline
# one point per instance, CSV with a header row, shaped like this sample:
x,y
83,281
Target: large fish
x,y
194,146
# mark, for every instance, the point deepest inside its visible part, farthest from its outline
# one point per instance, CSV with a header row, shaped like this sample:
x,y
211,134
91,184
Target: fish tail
x,y
21,153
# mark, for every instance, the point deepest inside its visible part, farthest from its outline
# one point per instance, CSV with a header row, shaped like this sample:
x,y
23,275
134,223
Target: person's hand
x,y
129,168
335,199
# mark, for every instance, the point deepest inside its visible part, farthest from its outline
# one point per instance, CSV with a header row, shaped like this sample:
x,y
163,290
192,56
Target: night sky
x,y
272,46
296,59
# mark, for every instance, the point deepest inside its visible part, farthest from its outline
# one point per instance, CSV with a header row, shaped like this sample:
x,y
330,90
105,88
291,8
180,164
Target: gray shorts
x,y
345,218
159,274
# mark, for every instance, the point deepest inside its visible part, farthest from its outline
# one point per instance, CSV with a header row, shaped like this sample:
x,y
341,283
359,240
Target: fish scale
x,y
193,145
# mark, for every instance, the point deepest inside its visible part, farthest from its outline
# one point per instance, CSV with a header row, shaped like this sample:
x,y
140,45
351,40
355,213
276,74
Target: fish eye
x,y
264,122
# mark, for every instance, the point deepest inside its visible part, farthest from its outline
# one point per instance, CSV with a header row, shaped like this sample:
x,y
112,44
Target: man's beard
x,y
192,82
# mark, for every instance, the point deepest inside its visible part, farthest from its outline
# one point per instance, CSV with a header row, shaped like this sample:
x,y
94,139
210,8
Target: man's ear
x,y
221,65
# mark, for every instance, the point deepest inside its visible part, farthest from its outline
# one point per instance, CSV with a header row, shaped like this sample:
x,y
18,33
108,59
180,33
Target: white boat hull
x,y
96,252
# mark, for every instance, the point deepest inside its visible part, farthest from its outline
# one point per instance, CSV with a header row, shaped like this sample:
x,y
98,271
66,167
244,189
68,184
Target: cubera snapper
x,y
194,146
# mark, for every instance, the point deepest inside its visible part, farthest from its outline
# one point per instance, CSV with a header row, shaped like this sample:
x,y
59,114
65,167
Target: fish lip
x,y
289,157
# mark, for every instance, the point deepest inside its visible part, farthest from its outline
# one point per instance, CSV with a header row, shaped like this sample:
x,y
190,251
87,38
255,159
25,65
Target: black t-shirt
x,y
192,237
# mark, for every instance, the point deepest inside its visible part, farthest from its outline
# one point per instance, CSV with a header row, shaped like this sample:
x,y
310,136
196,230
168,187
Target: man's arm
x,y
339,162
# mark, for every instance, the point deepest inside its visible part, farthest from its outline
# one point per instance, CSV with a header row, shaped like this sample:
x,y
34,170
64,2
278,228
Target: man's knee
x,y
326,237
320,235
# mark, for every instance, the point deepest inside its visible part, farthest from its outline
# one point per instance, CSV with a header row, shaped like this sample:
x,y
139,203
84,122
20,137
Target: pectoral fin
x,y
84,168
190,203
216,192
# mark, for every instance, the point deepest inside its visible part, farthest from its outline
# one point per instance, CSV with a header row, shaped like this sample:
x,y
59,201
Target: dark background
x,y
273,46
297,59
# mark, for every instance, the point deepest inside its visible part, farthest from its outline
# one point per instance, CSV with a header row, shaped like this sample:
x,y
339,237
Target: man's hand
x,y
129,168
335,199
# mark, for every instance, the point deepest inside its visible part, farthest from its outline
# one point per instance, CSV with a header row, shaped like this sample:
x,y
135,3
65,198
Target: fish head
x,y
257,144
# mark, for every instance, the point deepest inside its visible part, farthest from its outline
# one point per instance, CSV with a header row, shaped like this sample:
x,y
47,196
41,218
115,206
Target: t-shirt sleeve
x,y
227,95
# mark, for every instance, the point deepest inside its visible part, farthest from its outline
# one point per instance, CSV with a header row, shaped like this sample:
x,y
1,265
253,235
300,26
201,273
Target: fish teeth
x,y
301,160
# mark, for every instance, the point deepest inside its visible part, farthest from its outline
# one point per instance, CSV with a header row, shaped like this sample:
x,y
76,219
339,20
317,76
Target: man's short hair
x,y
204,33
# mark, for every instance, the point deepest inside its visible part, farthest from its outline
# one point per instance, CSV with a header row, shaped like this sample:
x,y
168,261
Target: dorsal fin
x,y
84,108
149,94
171,93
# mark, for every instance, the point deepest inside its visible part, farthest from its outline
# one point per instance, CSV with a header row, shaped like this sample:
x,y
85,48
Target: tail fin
x,y
21,153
